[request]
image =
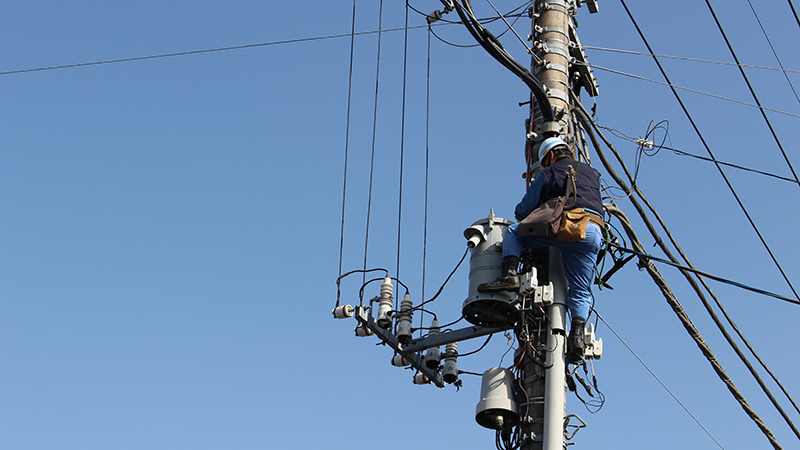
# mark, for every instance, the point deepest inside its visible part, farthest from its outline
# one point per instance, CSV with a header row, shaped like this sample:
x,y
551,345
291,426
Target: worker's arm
x,y
532,198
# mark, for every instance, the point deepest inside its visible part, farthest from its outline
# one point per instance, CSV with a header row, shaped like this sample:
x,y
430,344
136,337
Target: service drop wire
x,y
443,284
705,274
635,355
339,281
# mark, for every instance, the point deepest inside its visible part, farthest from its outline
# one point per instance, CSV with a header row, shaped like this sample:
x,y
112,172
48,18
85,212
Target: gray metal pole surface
x,y
555,395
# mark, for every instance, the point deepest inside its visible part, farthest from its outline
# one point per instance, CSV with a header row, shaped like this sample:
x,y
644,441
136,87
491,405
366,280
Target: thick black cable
x,y
445,282
374,133
708,149
752,91
672,300
347,141
490,43
479,349
584,117
402,142
795,13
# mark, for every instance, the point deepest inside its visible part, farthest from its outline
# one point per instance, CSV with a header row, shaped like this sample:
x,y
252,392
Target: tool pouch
x,y
573,225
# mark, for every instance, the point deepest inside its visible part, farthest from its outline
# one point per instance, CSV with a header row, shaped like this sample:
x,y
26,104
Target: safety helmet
x,y
549,144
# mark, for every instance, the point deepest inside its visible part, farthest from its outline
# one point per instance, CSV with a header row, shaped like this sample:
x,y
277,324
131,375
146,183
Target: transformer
x,y
485,239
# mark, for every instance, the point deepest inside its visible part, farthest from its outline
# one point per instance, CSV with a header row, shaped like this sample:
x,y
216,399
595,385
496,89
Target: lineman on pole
x,y
579,256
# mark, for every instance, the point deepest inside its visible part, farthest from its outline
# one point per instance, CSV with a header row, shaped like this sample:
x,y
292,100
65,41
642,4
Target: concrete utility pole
x,y
552,32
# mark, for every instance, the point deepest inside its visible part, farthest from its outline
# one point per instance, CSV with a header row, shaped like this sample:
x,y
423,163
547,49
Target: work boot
x,y
575,344
508,279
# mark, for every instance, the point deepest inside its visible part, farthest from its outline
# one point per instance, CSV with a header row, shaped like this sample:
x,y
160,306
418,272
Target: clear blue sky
x,y
170,228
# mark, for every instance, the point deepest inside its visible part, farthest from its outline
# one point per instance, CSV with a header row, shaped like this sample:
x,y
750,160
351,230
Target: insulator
x,y
343,312
450,371
362,331
433,355
400,361
385,303
404,320
420,378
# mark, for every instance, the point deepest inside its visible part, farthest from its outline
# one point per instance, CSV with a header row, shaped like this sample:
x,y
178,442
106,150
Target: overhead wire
x,y
622,135
402,140
678,309
707,275
708,149
695,91
682,58
347,141
658,379
427,172
774,52
583,115
795,13
374,133
752,90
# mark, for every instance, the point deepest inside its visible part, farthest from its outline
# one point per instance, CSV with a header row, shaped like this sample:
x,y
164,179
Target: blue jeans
x,y
579,260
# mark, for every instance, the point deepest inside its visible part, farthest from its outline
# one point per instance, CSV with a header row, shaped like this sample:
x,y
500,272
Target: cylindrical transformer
x,y
420,378
450,370
343,312
497,408
385,303
485,238
433,355
404,320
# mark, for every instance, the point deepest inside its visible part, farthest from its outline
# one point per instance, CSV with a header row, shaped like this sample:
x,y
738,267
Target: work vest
x,y
587,182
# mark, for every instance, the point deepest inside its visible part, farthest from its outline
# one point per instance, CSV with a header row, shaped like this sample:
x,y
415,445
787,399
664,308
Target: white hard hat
x,y
549,144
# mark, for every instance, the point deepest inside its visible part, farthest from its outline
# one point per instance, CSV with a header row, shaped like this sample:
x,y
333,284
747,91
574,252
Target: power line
x,y
622,135
587,122
638,77
708,275
678,309
374,133
795,13
752,8
753,92
212,50
710,154
682,58
657,378
347,140
402,142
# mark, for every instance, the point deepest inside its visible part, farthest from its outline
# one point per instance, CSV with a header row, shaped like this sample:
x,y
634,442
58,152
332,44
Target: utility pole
x,y
554,43
537,311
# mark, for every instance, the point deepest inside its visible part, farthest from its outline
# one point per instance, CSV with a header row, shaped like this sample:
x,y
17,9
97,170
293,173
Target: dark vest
x,y
587,180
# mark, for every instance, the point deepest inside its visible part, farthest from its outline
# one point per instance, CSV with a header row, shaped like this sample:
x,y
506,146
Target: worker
x,y
578,257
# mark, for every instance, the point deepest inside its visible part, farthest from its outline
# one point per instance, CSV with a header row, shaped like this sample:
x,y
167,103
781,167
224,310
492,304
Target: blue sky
x,y
170,228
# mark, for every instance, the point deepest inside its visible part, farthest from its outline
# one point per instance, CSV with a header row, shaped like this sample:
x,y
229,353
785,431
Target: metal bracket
x,y
581,65
568,425
593,347
543,295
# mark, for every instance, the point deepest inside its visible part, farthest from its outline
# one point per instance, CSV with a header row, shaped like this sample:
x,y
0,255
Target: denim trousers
x,y
579,260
